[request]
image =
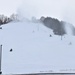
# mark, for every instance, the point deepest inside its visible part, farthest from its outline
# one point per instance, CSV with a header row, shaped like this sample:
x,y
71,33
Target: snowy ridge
x,y
34,50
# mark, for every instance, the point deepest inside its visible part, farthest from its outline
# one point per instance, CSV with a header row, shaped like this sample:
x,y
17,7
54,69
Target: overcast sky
x,y
8,7
61,9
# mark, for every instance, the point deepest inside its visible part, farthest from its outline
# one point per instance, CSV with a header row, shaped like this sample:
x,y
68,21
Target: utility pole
x,y
0,58
0,54
61,37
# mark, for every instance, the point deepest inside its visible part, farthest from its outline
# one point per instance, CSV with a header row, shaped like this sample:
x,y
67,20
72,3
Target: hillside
x,y
34,50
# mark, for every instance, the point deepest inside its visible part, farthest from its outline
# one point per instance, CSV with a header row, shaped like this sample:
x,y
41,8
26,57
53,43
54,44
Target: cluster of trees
x,y
57,26
5,19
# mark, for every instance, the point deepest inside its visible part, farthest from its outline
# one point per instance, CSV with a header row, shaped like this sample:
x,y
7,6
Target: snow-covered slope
x,y
34,50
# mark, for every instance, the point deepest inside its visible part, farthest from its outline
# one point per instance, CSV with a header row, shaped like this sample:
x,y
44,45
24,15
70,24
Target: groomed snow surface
x,y
34,50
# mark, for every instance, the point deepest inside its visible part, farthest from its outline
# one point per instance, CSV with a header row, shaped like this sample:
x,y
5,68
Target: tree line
x,y
57,26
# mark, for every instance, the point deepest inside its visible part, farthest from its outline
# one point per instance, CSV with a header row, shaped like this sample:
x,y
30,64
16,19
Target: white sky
x,y
61,9
8,7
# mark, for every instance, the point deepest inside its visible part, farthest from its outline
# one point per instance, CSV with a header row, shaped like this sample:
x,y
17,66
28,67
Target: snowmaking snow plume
x,y
69,12
27,9
68,29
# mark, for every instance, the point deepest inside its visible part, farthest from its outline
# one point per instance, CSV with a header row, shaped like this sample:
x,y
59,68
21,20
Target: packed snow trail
x,y
33,50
